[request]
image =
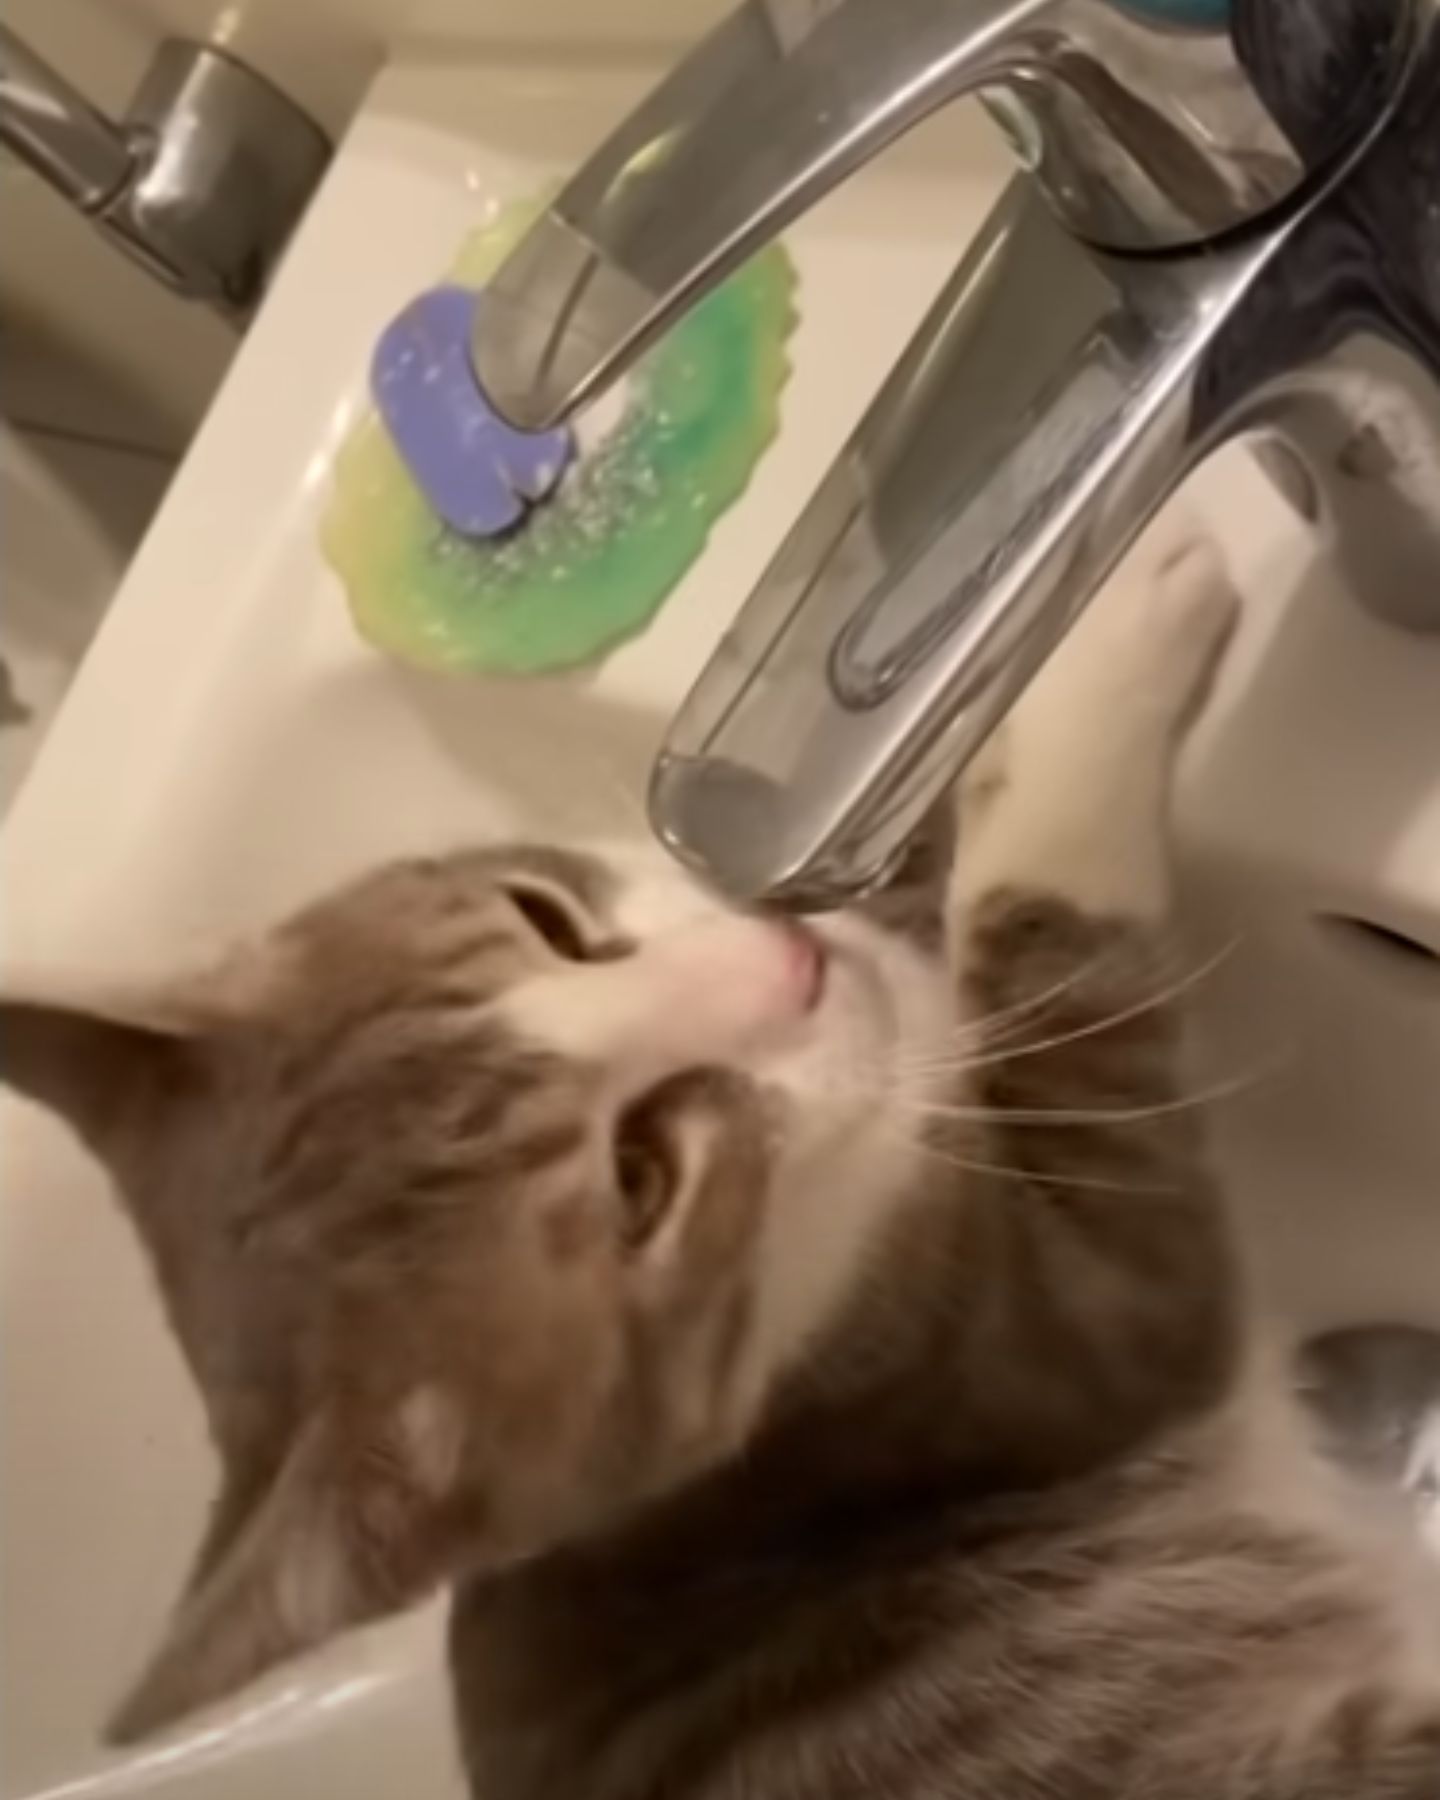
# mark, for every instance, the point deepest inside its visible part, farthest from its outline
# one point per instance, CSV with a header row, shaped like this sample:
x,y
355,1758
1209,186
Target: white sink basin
x,y
230,747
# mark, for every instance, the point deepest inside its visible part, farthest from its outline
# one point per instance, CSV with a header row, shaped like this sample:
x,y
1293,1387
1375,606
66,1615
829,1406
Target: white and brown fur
x,y
808,1392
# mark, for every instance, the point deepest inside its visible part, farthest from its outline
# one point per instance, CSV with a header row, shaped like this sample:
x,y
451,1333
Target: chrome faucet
x,y
201,182
1229,223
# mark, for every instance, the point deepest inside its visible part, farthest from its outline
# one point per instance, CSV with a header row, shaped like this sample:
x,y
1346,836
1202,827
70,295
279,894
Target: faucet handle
x,y
1148,124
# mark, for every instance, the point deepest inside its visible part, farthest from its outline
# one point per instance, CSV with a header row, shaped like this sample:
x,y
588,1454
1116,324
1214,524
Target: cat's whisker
x,y
1141,1009
1099,1115
627,792
960,1064
996,1026
1013,1172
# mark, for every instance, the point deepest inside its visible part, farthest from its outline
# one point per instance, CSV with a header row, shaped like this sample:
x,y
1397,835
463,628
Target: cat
x,y
814,1355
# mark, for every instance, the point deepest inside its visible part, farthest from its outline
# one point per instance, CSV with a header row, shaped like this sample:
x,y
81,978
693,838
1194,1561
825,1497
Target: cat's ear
x,y
354,1527
111,1054
95,1069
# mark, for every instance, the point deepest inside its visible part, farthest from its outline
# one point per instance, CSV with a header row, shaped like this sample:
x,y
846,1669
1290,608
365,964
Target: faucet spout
x,y
782,101
786,98
1032,427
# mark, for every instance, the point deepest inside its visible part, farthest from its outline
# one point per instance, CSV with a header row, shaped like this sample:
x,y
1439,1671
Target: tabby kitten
x,y
816,1364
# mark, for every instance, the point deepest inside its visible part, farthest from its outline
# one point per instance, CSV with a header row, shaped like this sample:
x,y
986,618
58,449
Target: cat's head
x,y
488,1198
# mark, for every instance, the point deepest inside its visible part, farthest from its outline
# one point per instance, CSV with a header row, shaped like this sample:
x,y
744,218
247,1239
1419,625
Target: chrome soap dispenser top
x,y
1229,221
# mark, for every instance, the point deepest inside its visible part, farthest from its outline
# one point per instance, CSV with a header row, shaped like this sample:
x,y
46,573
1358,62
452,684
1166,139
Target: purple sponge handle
x,y
478,473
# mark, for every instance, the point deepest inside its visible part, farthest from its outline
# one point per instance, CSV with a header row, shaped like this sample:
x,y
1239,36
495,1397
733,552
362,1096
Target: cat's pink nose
x,y
807,958
776,966
730,981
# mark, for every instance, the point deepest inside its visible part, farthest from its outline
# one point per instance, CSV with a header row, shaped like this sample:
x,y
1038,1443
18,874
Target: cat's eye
x,y
647,1173
552,920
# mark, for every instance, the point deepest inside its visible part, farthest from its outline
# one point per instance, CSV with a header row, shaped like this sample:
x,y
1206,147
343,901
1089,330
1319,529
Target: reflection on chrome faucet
x,y
201,183
1230,224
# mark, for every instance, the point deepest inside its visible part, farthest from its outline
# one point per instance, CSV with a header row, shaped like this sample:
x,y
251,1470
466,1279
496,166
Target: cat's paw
x,y
1070,798
1193,609
984,779
1141,661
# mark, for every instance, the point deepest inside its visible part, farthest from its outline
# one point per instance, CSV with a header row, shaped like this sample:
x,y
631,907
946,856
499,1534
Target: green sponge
x,y
591,567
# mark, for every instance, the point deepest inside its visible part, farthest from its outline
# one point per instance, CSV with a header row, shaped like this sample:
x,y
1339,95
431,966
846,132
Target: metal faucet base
x,y
201,183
